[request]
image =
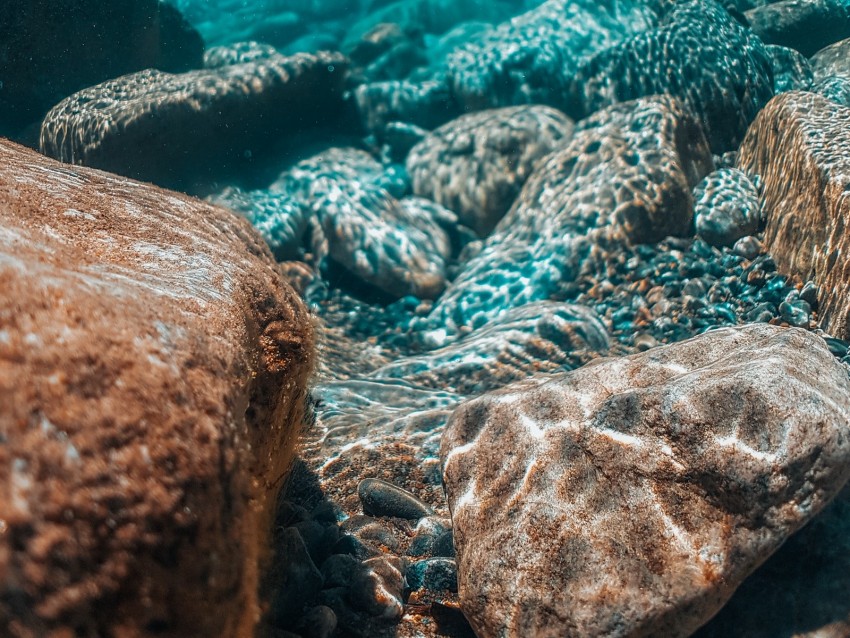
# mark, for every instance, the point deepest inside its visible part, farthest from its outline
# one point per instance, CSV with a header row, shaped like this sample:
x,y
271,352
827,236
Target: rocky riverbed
x,y
552,295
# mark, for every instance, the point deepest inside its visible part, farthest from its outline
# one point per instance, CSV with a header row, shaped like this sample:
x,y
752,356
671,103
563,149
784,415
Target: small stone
x,y
748,247
809,294
428,530
434,574
797,313
726,207
318,622
338,569
377,586
297,578
380,498
645,341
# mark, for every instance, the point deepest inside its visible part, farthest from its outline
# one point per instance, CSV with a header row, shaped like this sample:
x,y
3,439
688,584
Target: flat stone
x,y
476,165
631,497
625,176
800,146
698,54
153,366
173,128
804,25
380,498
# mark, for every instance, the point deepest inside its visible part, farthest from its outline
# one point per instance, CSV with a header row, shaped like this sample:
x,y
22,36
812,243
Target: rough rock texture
x,y
152,376
396,245
626,174
799,145
836,89
50,49
426,104
238,53
698,54
631,497
804,25
791,70
167,128
476,165
531,58
726,207
832,61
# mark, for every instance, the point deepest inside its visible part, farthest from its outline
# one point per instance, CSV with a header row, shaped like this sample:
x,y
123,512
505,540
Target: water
x,y
476,197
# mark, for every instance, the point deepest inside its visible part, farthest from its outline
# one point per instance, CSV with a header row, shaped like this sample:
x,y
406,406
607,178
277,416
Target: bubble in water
x,y
331,68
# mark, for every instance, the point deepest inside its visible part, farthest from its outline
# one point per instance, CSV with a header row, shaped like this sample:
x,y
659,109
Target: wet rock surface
x,y
805,231
804,25
165,363
674,473
726,207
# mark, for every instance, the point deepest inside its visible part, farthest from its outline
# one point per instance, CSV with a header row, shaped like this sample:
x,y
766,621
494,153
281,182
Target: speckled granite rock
x,y
631,497
168,128
476,165
791,70
399,246
726,207
531,58
804,25
799,146
832,61
49,50
698,54
535,338
426,104
165,363
626,174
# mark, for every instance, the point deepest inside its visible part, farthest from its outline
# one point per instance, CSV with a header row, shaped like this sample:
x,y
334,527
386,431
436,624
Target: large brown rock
x,y
632,496
50,49
152,374
800,146
175,128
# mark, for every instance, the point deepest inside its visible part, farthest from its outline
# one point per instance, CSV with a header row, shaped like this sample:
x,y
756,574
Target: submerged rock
x,y
791,70
531,58
51,49
631,497
700,55
627,173
476,165
832,61
165,364
425,104
726,207
804,25
170,129
799,147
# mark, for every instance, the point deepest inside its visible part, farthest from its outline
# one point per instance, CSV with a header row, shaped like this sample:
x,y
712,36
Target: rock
x,y
297,577
726,207
832,61
398,246
49,50
627,174
534,338
804,25
425,104
377,587
283,221
698,54
318,622
238,53
430,537
791,70
380,498
476,165
633,496
435,574
836,89
799,146
165,363
748,247
531,58
171,129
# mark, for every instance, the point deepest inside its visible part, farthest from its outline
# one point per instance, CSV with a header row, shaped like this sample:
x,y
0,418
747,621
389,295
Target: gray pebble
x,y
435,574
377,586
380,498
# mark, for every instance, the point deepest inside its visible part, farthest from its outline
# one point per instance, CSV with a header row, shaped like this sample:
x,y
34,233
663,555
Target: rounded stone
x,y
380,498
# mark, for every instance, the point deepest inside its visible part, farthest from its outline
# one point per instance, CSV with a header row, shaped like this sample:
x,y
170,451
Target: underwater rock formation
x,y
50,49
169,128
804,25
627,173
426,104
700,55
791,70
531,58
153,366
632,496
476,165
799,147
832,61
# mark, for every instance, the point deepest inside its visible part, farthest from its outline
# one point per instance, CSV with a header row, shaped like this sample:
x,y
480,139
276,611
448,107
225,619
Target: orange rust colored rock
x,y
152,380
800,145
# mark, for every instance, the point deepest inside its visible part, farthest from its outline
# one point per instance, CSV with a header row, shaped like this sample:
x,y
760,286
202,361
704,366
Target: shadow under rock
x,y
802,590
